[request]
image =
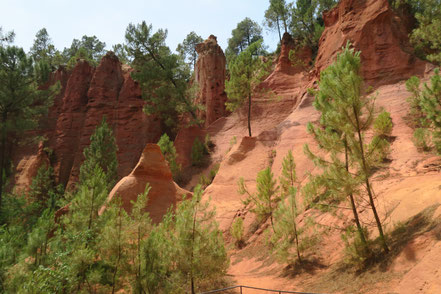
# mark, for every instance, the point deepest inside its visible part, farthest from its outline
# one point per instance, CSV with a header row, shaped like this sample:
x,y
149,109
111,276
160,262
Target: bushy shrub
x,y
421,139
383,124
169,151
237,232
198,152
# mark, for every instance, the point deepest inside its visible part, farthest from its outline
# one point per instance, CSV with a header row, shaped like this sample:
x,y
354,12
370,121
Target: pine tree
x,y
169,151
286,229
21,103
187,49
42,190
277,15
266,197
139,226
247,70
161,75
246,33
201,253
102,153
114,240
427,102
345,116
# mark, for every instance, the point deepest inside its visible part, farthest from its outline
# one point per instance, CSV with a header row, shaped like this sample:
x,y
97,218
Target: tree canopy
x,y
246,33
161,74
21,103
187,49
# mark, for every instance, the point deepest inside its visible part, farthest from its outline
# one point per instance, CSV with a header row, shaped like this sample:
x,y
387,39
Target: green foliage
x,y
355,252
169,151
288,177
198,153
277,15
416,116
189,248
120,51
6,38
345,115
247,71
102,153
89,48
21,103
246,33
205,181
209,145
288,235
383,124
427,102
187,49
162,76
306,24
43,49
426,37
421,139
43,191
266,197
237,231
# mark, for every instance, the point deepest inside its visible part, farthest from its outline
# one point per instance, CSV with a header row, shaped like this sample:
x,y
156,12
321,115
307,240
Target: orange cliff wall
x,y
87,95
375,30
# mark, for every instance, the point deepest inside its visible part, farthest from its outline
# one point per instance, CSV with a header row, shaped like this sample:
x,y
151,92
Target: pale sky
x,y
108,19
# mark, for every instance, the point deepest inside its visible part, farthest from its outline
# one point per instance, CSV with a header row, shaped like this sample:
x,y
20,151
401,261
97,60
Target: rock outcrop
x,y
153,169
87,95
290,79
184,143
28,167
210,77
285,65
375,30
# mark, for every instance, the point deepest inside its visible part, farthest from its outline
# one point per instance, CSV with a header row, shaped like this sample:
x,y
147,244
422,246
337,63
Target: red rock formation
x,y
289,80
184,143
153,169
107,92
210,76
86,95
284,64
28,167
71,120
375,30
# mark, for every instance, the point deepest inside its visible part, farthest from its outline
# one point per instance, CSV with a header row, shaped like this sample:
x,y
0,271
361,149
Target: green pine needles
x,y
266,197
102,153
426,103
346,114
247,70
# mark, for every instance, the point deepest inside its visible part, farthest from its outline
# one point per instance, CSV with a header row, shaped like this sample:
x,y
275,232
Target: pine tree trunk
x,y
278,30
294,214
249,114
354,209
368,185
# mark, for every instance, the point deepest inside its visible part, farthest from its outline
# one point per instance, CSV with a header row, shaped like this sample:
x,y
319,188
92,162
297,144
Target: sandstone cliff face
x,y
184,143
87,95
28,167
284,64
210,77
153,169
375,30
289,80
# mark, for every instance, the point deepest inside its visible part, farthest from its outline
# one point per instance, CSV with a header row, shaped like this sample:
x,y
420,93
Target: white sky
x,y
108,19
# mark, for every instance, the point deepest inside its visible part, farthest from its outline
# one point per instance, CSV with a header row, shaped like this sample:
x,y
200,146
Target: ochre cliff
x,y
210,78
87,95
375,30
153,169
